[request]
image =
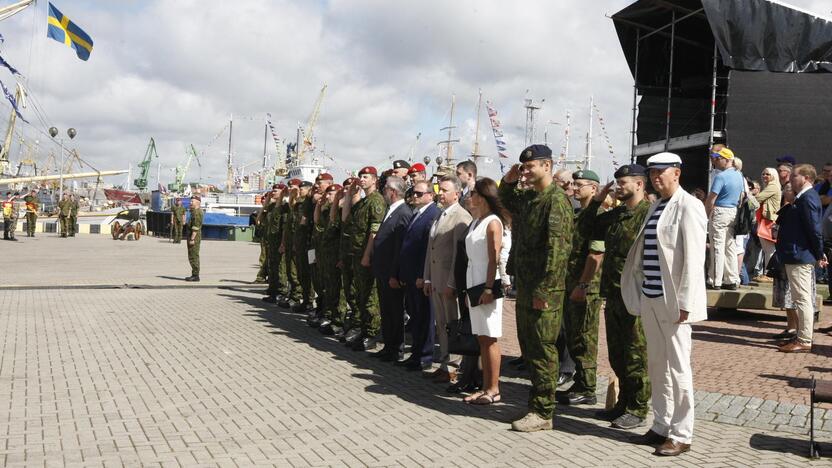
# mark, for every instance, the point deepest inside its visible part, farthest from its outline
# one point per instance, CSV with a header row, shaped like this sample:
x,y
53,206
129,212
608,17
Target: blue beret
x,y
535,152
630,170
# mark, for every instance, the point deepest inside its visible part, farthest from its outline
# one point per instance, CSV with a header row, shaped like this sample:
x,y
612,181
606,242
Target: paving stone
x,y
784,408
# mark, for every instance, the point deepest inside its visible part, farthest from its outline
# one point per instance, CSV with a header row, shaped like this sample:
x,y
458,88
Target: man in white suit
x,y
439,284
663,282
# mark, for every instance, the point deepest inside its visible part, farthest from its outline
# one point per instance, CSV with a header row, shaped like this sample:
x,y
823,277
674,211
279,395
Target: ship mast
x,y
229,176
475,154
5,165
449,152
588,156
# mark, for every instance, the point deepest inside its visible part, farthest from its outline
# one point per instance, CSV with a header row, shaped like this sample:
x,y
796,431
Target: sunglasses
x,y
418,194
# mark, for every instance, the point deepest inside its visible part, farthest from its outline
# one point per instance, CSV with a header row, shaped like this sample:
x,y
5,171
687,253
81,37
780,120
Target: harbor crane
x,y
150,152
178,184
305,142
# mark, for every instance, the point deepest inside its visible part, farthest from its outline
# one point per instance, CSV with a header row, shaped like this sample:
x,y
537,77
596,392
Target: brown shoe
x,y
651,438
671,448
795,347
445,377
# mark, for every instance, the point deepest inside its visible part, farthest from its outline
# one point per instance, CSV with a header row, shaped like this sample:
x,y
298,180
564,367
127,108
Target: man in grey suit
x,y
439,282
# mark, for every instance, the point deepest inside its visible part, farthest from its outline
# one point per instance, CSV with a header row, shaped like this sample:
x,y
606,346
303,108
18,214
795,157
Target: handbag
x,y
474,292
764,227
745,219
460,339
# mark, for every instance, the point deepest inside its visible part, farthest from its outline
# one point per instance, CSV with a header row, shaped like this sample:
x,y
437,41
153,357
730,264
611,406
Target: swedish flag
x,y
63,30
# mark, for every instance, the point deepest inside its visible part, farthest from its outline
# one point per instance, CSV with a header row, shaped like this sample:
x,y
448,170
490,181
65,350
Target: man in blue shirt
x,y
721,206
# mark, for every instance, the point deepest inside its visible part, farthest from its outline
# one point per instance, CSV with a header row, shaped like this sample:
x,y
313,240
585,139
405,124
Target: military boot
x,y
532,422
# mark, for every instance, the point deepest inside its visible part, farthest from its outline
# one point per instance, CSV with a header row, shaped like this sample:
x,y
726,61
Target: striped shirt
x,y
652,285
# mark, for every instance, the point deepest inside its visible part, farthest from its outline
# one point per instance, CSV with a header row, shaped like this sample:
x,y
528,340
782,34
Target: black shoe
x,y
627,421
326,330
729,287
565,378
516,361
712,287
339,334
192,278
392,357
467,387
407,362
577,399
365,344
352,336
609,414
650,438
270,299
382,353
324,322
298,308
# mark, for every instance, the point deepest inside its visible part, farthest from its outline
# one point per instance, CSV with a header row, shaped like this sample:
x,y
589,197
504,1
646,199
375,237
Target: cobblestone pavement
x,y
211,377
182,374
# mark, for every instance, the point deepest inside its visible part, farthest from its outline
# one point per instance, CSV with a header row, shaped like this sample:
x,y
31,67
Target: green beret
x,y
587,175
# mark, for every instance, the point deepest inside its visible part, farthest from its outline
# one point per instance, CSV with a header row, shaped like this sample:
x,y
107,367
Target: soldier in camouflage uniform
x,y
293,295
367,215
177,220
194,238
272,231
73,215
303,217
32,207
263,260
330,236
542,252
320,214
615,232
345,259
64,209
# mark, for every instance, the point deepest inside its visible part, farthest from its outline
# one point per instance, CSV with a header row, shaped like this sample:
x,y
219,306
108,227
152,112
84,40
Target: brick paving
x,y
213,378
207,376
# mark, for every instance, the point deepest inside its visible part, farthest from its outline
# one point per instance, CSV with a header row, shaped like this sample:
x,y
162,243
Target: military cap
x,y
630,170
664,160
294,183
306,183
534,152
400,164
387,173
324,176
418,167
334,188
724,153
368,170
586,175
195,197
281,186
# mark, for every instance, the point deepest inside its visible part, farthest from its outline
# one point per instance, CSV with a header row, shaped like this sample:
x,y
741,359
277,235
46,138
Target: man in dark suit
x,y
385,265
799,249
411,268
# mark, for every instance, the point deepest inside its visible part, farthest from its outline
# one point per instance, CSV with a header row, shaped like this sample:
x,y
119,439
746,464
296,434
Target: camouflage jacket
x,y
303,219
273,225
195,223
585,220
614,234
545,239
177,212
367,216
32,203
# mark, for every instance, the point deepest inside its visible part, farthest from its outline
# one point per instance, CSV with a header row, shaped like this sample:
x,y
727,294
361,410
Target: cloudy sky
x,y
177,71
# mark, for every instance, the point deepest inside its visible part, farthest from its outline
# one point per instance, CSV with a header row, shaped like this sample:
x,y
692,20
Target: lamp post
x,y
53,132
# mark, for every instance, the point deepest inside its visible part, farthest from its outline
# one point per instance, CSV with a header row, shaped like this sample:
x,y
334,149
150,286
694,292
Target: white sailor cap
x,y
664,160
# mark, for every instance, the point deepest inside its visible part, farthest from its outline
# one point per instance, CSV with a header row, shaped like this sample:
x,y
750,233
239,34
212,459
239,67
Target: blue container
x,y
156,200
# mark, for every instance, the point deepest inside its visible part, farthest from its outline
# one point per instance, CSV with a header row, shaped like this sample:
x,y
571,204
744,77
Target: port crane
x,y
150,152
305,141
181,171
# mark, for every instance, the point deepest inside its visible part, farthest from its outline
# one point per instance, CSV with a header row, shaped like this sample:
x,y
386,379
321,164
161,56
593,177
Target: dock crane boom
x,y
141,182
306,143
181,171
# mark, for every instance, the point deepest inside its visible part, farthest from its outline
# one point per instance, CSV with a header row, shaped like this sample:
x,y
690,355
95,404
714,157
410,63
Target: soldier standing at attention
x,y
334,303
367,215
273,229
322,183
542,252
73,215
32,207
615,232
261,229
304,213
293,296
177,220
194,238
582,308
64,209
351,196
14,213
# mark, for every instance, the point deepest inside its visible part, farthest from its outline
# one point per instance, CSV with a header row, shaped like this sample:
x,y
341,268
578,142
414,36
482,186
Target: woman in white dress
x,y
483,245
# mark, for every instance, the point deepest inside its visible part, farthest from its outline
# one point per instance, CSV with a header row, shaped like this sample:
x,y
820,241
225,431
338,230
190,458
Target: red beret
x,y
418,167
295,182
324,176
281,186
334,188
368,170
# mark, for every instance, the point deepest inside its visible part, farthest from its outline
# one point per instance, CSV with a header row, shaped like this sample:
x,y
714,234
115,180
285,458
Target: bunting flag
x,y
496,127
606,136
13,102
4,63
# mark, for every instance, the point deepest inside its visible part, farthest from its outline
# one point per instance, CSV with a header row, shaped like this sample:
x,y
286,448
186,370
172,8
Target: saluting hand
x,y
513,174
602,194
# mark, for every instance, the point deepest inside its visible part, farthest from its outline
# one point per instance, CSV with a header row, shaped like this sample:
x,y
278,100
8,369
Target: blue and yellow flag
x,y
60,28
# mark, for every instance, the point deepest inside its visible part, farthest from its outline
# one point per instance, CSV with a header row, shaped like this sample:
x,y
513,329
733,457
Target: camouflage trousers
x,y
335,305
31,223
367,315
581,319
64,220
627,350
347,287
537,332
177,232
277,272
263,261
73,225
304,272
193,255
292,273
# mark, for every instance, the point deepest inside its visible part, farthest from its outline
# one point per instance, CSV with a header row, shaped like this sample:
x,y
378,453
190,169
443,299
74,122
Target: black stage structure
x,y
753,74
